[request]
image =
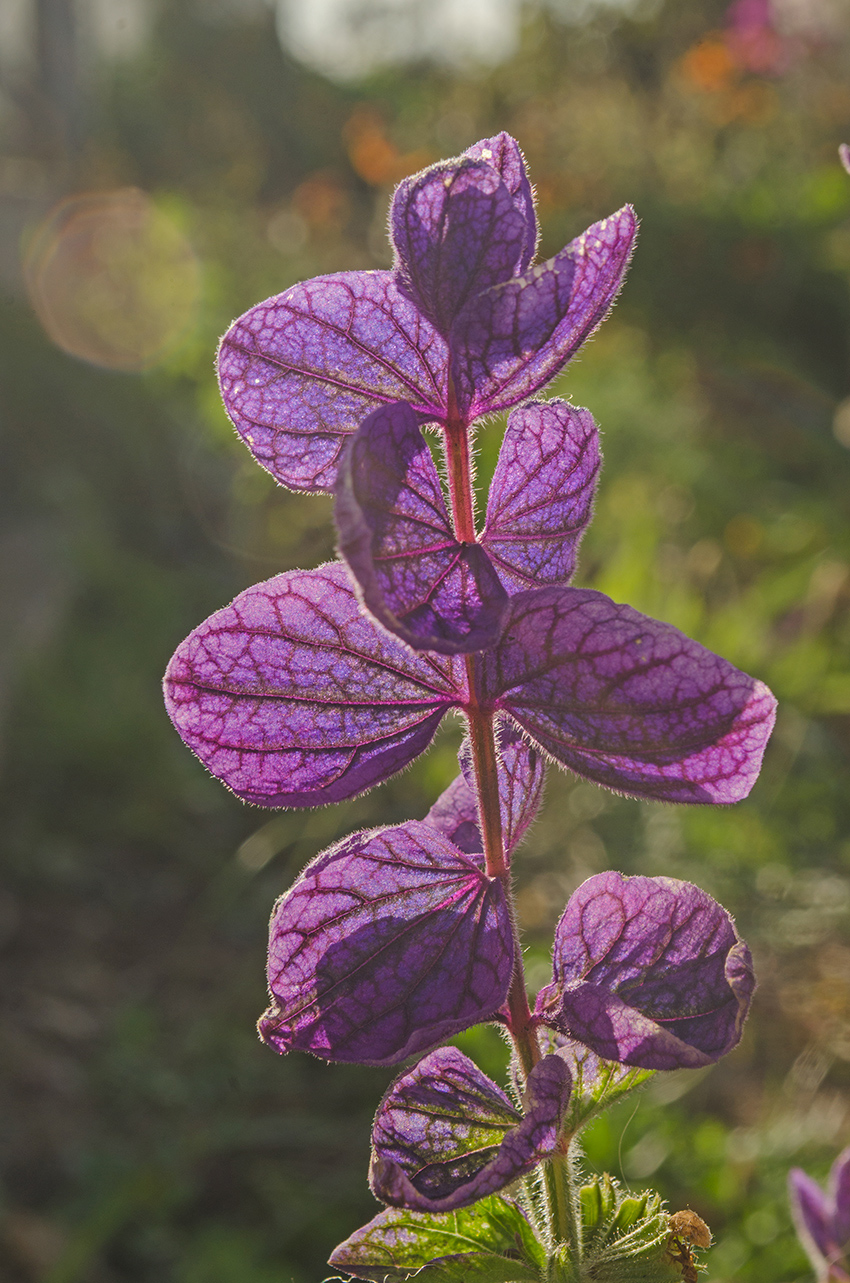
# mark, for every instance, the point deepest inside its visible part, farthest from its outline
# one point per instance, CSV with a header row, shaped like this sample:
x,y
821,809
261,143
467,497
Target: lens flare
x,y
112,279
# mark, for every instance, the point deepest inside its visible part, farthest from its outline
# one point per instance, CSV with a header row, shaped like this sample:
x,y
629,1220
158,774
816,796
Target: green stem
x,y
559,1194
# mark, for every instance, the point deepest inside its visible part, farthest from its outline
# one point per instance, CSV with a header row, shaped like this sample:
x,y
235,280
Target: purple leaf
x,y
648,972
513,338
839,1192
455,814
293,696
422,1112
456,231
445,1135
395,532
503,153
301,371
822,1219
812,1214
388,943
628,701
541,497
521,776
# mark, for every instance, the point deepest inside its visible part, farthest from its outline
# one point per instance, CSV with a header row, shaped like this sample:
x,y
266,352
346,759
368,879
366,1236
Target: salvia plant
x,y
318,684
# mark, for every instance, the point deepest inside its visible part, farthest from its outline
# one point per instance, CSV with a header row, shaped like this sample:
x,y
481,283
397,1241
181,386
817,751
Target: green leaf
x,y
638,1257
490,1242
479,1269
633,1209
598,1201
597,1083
625,1238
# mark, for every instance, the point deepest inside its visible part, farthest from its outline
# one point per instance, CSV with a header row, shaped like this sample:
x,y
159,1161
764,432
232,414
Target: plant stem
x,y
486,765
484,756
483,742
521,1021
559,1197
460,472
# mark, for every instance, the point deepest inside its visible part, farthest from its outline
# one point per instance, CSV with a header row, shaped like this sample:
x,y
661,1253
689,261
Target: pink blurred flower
x,y
753,41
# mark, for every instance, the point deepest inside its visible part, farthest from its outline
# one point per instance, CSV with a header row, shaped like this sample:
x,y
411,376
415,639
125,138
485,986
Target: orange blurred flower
x,y
373,156
708,65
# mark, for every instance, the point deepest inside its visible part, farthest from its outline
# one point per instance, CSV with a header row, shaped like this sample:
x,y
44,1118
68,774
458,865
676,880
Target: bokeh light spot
x,y
841,423
112,279
708,65
743,536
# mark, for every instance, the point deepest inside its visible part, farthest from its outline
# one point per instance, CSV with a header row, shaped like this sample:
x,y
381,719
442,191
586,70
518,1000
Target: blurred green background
x,y
217,151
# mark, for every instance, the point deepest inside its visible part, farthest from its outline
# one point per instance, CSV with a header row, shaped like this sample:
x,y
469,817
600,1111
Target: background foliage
x,y
147,1133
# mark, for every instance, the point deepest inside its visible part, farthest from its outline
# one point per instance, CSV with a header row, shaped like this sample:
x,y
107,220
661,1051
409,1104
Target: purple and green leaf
x,y
649,972
391,941
443,1112
491,1242
445,1135
597,1084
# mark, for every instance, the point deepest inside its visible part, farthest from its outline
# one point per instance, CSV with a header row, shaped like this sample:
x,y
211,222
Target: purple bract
x,y
388,943
293,696
417,579
822,1219
455,812
648,972
541,496
315,685
319,684
395,939
516,336
460,327
457,231
626,700
445,1135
